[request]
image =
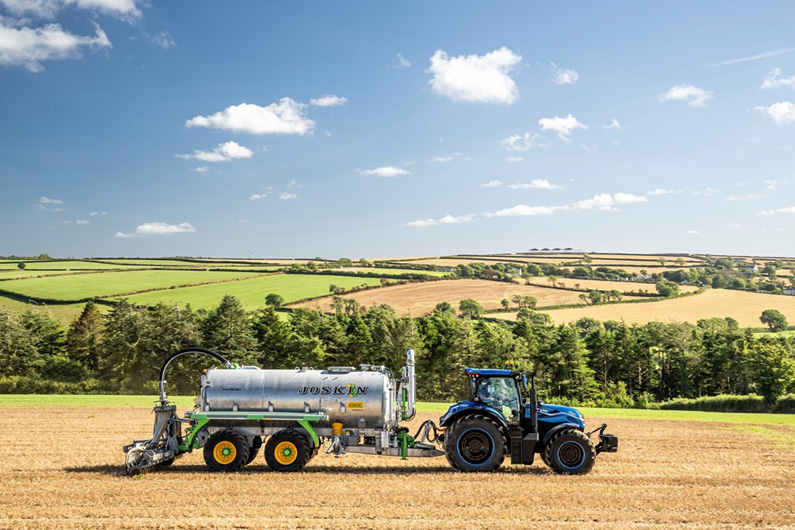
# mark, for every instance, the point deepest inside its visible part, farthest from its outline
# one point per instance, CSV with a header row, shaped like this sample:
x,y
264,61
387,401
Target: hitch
x,y
608,443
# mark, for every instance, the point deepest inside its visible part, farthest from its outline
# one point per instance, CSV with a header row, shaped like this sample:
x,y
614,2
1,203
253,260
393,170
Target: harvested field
x,y
387,271
454,262
743,306
724,476
421,298
605,285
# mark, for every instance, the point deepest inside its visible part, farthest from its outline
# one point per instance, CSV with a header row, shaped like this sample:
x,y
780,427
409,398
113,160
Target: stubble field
x,y
62,470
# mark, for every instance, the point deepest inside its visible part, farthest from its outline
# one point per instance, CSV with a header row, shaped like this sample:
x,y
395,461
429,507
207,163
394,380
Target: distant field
x,y
386,271
80,286
252,292
454,262
605,285
63,312
743,306
66,264
153,262
276,261
27,273
421,298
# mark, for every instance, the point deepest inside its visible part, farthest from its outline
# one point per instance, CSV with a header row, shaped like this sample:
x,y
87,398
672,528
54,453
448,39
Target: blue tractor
x,y
504,417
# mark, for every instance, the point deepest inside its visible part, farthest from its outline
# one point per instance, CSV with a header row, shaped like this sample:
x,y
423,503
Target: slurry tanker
x,y
296,413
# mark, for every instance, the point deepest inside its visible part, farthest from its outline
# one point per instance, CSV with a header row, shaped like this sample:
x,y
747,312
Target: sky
x,y
375,129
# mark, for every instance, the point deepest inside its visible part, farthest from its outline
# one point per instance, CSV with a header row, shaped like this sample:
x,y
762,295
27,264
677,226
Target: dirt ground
x,y
62,468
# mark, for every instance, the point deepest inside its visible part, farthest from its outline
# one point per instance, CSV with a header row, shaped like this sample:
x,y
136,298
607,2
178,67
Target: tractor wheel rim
x,y
571,455
285,453
225,452
475,446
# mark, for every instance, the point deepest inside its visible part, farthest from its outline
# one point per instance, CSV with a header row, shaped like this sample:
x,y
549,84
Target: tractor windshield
x,y
500,393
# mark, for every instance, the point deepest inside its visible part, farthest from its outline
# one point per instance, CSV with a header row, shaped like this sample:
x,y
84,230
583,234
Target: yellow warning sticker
x,y
356,405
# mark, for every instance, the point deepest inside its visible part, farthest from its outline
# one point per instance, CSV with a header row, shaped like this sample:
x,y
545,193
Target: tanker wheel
x,y
570,452
226,450
253,451
287,451
475,443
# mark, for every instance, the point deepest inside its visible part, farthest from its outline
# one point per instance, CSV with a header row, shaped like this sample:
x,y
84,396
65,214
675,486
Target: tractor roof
x,y
489,372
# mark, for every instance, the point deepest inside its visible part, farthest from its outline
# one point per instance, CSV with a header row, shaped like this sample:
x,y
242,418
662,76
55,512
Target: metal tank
x,y
358,399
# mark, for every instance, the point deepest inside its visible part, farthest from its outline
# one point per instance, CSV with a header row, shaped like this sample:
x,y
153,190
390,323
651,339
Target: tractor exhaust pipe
x,y
408,387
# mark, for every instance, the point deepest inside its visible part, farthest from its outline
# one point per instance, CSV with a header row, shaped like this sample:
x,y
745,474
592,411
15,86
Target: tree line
x,y
586,362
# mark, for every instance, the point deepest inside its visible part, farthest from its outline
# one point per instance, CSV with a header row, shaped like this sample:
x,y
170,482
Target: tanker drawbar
x,y
290,415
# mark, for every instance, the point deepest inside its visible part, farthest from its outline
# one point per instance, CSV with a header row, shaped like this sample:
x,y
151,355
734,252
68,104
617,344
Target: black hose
x,y
205,351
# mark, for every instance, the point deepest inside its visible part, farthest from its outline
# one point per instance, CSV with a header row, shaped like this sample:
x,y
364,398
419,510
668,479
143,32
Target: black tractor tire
x,y
475,443
570,452
287,451
253,451
226,450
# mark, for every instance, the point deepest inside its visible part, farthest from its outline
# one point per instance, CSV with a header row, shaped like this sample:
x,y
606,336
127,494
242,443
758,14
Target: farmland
x,y
742,306
604,285
252,292
654,480
419,299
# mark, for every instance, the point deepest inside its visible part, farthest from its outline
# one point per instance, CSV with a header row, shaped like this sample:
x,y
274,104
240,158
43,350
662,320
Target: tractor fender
x,y
469,408
556,429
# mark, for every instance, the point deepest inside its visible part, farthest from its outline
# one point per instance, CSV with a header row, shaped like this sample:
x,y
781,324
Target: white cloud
x,y
47,200
157,229
125,9
513,159
693,232
201,169
293,184
163,39
82,222
257,196
288,196
492,184
223,153
384,171
614,124
475,78
442,159
563,126
125,235
328,100
605,201
401,62
28,47
536,184
781,112
285,117
790,209
524,210
94,214
519,142
446,220
660,191
744,198
592,148
695,96
564,77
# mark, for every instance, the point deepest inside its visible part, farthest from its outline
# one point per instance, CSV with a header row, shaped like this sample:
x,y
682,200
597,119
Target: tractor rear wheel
x,y
287,451
226,450
570,452
475,443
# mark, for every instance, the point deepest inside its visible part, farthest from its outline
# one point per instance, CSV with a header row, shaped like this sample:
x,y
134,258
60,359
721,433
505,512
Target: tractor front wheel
x,y
475,443
226,450
287,451
570,452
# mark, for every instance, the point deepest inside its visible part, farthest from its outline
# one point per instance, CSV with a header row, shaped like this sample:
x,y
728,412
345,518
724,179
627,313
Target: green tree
x,y
18,355
84,338
274,300
773,367
667,289
443,307
274,339
505,303
226,330
470,308
21,265
774,319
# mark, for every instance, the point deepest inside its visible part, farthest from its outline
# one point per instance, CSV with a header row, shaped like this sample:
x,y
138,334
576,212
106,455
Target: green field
x,y
53,400
28,273
386,271
252,292
81,286
63,312
65,264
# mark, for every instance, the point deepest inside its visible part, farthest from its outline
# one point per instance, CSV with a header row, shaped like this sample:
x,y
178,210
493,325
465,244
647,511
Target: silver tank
x,y
355,398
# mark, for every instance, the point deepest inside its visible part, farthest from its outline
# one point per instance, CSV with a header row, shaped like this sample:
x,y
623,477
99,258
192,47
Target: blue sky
x,y
379,129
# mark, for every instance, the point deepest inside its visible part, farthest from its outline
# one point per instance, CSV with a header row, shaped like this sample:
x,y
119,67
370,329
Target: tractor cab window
x,y
500,393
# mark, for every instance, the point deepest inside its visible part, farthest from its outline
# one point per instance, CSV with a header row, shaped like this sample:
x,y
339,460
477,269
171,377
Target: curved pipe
x,y
214,355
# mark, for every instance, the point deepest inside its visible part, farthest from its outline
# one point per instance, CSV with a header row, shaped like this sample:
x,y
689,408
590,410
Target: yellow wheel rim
x,y
285,453
224,452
